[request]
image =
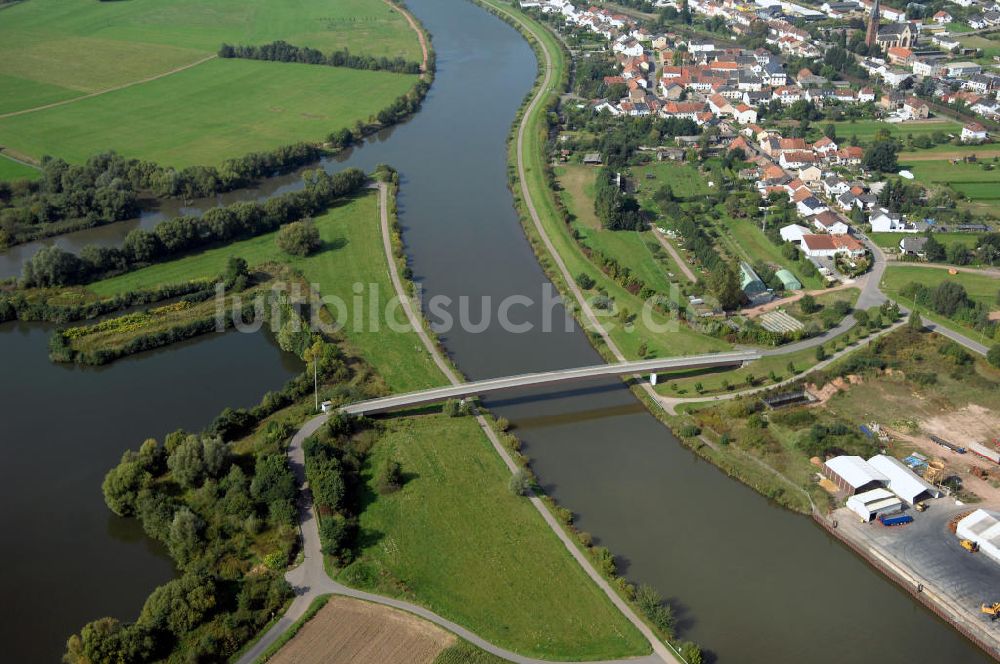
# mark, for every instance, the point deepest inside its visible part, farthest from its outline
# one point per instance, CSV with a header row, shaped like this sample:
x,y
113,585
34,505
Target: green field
x,y
12,170
51,50
891,240
456,540
973,180
352,253
981,287
633,248
216,110
865,129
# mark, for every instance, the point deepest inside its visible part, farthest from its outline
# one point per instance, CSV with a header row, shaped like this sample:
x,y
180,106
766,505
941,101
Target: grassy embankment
x,y
352,252
52,52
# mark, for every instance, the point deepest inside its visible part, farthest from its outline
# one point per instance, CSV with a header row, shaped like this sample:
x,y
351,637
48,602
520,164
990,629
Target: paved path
x,y
104,92
416,28
676,255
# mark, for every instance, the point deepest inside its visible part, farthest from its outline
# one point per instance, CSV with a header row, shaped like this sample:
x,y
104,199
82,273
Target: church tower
x,y
873,21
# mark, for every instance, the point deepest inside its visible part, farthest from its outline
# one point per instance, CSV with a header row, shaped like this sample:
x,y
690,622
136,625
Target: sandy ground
x,y
349,631
972,424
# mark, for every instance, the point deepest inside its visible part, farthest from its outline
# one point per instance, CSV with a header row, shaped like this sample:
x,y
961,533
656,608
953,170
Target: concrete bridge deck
x,y
479,387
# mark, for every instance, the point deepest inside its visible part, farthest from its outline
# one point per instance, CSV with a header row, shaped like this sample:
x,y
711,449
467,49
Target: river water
x,y
65,558
753,583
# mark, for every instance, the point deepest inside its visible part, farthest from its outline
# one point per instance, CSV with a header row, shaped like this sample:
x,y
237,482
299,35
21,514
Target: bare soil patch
x,y
350,631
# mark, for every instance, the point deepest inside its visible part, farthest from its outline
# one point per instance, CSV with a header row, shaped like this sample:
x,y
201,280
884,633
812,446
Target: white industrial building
x,y
871,504
982,528
853,475
902,481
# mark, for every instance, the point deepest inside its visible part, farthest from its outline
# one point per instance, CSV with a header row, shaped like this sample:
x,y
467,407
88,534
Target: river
x,y
753,583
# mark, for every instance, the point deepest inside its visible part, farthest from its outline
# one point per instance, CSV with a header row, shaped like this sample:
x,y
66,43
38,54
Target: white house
x,y
793,233
942,17
628,46
827,246
883,221
974,133
830,222
810,206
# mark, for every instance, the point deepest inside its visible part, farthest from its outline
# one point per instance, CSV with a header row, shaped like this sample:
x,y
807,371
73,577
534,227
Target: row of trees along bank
x,y
52,266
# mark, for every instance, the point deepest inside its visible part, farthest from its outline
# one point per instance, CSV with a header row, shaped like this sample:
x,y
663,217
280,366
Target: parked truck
x,y
895,519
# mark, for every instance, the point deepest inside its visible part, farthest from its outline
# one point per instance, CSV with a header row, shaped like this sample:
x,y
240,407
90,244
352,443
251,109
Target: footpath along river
x,y
753,583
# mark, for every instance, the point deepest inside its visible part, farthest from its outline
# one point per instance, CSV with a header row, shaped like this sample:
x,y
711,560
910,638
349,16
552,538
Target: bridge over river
x,y
479,387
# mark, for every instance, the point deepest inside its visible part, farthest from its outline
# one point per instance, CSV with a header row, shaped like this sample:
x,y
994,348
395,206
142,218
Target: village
x,y
741,99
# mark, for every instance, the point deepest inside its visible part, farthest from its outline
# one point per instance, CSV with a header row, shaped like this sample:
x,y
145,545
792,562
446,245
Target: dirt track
x,y
351,631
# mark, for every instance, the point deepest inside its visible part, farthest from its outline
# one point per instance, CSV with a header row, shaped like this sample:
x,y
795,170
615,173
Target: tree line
x,y
53,266
281,51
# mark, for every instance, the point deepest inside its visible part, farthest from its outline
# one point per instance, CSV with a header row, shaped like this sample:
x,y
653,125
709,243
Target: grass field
x,y
50,50
216,110
456,540
973,180
53,51
865,129
12,170
638,250
981,287
352,253
891,240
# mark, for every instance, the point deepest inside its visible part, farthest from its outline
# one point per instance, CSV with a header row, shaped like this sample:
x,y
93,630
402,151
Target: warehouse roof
x,y
854,471
982,528
902,481
869,503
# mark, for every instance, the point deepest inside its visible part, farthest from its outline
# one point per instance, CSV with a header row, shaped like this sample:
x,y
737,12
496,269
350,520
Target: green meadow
x,y
219,109
351,253
982,287
80,47
455,539
865,130
158,100
12,170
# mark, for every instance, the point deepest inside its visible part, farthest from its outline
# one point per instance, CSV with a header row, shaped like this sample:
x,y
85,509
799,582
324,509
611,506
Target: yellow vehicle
x,y
920,507
991,609
969,545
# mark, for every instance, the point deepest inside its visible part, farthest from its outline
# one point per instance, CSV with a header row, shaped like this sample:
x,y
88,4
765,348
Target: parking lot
x,y
931,554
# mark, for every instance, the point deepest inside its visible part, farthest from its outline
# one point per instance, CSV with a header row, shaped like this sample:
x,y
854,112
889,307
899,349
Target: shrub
x,y
585,281
389,476
299,238
520,483
994,355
